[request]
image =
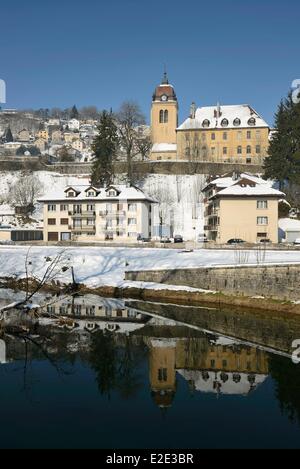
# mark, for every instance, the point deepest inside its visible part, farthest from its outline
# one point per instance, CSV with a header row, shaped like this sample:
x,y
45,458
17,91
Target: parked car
x,y
265,241
178,239
165,240
297,242
143,239
235,241
202,238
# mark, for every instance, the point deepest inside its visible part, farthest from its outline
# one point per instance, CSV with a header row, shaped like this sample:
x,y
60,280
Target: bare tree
x,y
89,112
54,267
165,204
144,145
260,252
241,256
129,118
25,192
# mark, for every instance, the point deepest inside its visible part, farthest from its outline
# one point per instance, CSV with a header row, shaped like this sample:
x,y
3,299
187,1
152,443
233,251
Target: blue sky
x,y
60,53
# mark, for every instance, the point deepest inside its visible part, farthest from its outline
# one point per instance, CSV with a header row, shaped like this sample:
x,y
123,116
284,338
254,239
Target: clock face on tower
x,y
164,97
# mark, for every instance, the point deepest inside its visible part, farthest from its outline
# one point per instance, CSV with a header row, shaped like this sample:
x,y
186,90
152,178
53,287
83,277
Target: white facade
x,y
73,124
85,213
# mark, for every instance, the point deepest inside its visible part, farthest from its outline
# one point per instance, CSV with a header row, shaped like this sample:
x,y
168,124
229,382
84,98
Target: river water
x,y
89,372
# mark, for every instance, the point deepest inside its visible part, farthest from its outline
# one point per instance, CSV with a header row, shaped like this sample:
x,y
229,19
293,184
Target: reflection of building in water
x,y
208,367
92,313
162,371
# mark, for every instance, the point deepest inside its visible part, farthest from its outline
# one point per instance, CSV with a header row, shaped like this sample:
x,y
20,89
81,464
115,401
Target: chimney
x,y
193,110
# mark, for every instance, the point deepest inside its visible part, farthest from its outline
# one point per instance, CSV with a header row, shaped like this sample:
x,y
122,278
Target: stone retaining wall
x,y
280,282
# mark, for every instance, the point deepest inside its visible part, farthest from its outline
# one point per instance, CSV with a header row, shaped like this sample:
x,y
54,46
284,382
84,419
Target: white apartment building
x,y
86,213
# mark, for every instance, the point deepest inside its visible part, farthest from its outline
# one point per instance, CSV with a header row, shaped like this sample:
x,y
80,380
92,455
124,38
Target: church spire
x,y
165,80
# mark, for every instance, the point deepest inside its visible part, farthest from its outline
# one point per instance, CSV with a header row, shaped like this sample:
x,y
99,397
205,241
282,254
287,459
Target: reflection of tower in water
x,y
162,371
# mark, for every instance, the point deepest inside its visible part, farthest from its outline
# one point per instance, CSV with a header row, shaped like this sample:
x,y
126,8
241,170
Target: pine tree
x,y
105,147
8,136
283,162
74,113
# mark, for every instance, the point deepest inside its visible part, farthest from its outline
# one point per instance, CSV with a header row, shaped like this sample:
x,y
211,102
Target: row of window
x,y
225,122
91,311
109,236
111,193
260,204
90,208
89,222
204,151
215,221
204,135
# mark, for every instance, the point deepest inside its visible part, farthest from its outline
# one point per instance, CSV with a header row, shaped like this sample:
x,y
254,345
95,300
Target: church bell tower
x,y
164,114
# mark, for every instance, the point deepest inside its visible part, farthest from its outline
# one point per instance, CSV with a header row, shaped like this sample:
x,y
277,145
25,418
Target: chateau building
x,y
234,133
86,213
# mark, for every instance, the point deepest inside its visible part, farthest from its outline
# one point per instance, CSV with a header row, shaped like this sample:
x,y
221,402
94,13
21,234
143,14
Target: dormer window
x,y
252,121
91,194
206,123
112,193
224,123
237,122
71,194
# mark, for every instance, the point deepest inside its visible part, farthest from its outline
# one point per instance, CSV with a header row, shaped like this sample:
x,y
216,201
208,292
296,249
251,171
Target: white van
x,y
202,238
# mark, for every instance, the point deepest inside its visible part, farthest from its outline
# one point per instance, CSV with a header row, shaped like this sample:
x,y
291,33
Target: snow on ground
x,y
98,266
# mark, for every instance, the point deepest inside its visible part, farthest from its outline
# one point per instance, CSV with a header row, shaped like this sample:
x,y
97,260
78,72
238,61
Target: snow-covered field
x,y
97,266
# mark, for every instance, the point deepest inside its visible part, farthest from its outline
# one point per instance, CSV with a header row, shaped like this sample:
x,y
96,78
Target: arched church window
x,y
163,116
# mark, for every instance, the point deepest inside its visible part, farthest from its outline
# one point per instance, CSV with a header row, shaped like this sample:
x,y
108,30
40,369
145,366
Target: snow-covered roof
x,y
212,382
289,224
227,181
237,116
249,190
124,193
162,147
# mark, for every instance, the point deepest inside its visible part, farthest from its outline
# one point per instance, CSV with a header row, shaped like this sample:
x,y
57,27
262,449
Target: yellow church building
x,y
224,134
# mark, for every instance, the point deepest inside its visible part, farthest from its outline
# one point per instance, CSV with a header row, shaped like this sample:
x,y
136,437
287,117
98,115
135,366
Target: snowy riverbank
x,y
95,267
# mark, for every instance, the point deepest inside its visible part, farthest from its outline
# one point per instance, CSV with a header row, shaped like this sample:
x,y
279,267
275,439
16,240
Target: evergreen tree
x,y
105,147
21,150
283,162
74,113
8,137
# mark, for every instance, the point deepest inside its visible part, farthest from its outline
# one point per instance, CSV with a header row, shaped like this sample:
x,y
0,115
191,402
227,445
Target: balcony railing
x,y
116,213
211,227
211,211
83,214
85,228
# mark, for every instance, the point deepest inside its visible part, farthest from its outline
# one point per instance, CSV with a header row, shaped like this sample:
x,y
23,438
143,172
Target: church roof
x,y
164,89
